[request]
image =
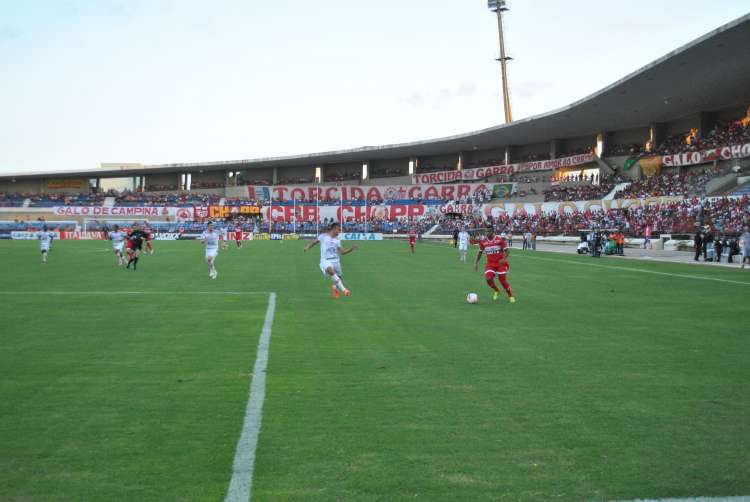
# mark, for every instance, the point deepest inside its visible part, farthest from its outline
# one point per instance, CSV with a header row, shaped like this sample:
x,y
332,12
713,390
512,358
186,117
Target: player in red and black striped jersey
x,y
136,237
496,249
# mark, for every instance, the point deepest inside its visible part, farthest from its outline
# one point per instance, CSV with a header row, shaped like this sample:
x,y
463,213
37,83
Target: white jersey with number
x,y
118,239
45,239
463,240
329,248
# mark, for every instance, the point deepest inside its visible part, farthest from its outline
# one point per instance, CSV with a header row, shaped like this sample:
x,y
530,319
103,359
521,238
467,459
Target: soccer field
x,y
621,380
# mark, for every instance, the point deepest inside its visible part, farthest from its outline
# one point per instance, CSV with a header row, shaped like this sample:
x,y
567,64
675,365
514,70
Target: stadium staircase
x,y
607,170
430,231
617,189
109,202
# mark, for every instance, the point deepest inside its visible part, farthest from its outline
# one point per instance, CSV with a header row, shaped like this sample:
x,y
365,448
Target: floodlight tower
x,y
499,6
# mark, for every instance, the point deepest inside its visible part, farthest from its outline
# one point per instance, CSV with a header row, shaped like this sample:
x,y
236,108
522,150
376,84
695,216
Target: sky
x,y
164,81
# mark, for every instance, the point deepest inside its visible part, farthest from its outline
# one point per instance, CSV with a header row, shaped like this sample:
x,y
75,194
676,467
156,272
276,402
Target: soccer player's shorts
x,y
336,265
463,247
44,248
211,253
118,248
498,270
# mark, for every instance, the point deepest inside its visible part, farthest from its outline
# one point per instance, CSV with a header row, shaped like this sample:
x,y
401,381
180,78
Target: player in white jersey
x,y
45,241
463,243
118,237
330,252
211,239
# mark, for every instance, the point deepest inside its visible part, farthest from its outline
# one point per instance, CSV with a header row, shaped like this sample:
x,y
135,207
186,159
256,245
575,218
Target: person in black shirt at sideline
x,y
135,238
698,241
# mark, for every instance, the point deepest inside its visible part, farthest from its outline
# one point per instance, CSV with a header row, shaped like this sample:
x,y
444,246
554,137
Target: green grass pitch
x,y
601,383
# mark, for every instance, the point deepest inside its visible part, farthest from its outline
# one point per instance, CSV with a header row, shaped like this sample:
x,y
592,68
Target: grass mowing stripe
x,y
241,484
628,269
697,499
98,293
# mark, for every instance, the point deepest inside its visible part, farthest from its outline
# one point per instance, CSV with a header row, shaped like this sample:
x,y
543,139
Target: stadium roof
x,y
707,74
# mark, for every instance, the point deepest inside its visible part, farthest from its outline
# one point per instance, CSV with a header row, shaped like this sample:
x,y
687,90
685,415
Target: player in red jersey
x,y
238,236
412,239
497,253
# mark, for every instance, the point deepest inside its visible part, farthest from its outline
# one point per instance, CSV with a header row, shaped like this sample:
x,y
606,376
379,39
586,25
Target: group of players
x,y
494,247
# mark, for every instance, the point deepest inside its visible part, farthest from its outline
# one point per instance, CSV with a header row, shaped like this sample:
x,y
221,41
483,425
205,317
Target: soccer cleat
x,y
347,293
496,295
511,300
334,292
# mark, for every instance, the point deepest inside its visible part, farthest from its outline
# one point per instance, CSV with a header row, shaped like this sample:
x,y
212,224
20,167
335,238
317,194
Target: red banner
x,y
693,158
309,212
284,193
480,173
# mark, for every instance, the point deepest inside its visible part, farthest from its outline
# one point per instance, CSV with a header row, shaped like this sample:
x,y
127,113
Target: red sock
x,y
505,285
491,283
412,248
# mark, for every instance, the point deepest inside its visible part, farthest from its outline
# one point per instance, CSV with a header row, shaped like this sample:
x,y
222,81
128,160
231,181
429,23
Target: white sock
x,y
338,282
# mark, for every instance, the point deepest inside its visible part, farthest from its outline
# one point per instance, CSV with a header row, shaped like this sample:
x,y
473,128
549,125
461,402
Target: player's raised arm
x,y
311,245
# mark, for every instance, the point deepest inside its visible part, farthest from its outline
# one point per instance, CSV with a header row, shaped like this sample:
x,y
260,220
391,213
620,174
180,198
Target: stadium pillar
x,y
555,147
657,134
460,161
275,175
509,154
322,173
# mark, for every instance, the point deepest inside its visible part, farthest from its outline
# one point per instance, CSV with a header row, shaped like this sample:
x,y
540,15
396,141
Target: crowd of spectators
x,y
345,176
161,188
670,184
589,191
296,180
623,149
723,215
206,184
50,200
389,172
129,198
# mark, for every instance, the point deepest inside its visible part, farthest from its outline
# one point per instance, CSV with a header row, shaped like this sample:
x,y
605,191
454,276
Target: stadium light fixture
x,y
499,7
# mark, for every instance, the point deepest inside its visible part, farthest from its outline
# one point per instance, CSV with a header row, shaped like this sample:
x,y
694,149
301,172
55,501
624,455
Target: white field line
x,y
697,499
241,485
112,293
628,269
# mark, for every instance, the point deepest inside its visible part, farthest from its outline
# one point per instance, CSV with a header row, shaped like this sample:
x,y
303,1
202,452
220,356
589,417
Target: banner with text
x,y
130,211
309,193
694,158
309,212
487,172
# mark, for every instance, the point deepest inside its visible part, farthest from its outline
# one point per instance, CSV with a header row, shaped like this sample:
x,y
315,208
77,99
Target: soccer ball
x,y
472,298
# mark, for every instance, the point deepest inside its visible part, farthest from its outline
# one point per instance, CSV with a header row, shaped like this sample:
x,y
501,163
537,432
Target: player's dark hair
x,y
333,225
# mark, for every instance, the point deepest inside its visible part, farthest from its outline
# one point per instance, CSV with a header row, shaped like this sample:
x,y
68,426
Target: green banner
x,y
630,163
